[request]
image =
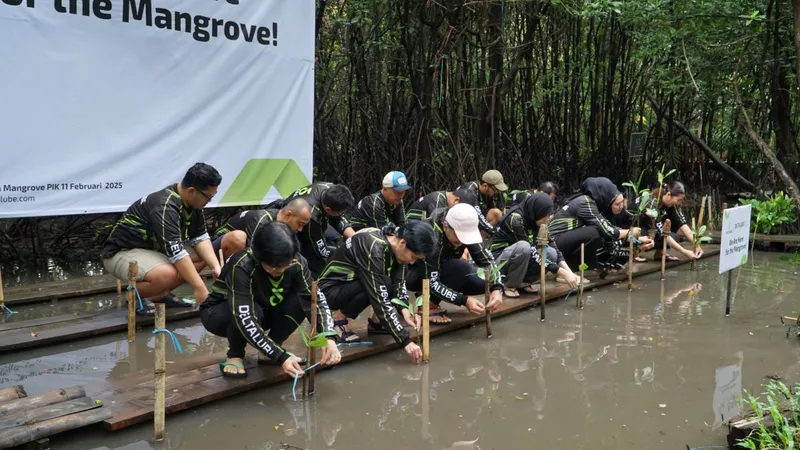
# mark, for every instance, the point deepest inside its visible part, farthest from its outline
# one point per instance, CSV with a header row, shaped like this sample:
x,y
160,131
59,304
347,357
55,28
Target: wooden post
x,y
710,223
133,273
486,302
159,408
2,296
694,228
667,226
312,352
630,261
119,287
541,240
580,287
426,317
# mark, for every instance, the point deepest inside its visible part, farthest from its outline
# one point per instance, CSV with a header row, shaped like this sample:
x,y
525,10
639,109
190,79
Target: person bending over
x,y
516,247
668,207
237,231
262,295
586,218
453,278
426,205
329,202
490,199
548,187
369,268
165,233
385,206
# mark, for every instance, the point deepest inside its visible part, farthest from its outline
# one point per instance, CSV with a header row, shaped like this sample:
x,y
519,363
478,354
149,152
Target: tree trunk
x,y
796,10
740,180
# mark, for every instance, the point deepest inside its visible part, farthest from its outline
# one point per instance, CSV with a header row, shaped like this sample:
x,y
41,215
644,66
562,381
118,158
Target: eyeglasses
x,y
209,197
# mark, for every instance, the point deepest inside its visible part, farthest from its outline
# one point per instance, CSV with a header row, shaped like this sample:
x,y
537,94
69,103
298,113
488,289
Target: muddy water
x,y
650,369
50,269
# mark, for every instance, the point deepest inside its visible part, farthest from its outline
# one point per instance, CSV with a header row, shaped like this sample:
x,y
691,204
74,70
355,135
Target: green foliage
x,y
637,191
701,235
794,259
583,266
481,272
771,214
779,402
408,306
319,340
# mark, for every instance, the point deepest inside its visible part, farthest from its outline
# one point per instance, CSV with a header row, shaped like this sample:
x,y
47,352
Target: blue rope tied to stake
x,y
294,385
175,344
8,310
141,303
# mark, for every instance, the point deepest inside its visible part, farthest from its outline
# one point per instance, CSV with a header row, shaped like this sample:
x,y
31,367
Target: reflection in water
x,y
50,269
632,370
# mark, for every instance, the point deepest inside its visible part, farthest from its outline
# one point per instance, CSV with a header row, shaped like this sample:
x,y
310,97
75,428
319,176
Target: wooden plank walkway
x,y
57,330
198,381
56,290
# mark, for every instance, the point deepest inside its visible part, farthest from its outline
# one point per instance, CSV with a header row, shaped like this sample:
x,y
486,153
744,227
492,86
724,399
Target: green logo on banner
x,y
258,176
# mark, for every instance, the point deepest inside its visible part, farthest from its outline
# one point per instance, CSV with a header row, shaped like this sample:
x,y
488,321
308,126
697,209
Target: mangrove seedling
x,y
481,272
794,259
319,340
701,236
411,306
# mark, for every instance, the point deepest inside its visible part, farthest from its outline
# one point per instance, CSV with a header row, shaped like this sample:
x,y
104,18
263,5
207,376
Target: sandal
x,y
148,309
529,289
511,292
441,313
639,259
345,336
238,365
173,301
376,328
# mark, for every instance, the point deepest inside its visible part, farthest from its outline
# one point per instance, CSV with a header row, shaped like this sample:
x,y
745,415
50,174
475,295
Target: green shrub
x,y
770,215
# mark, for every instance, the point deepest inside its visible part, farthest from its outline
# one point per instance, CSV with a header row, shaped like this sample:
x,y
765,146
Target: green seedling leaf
x,y
419,301
670,173
702,230
704,239
630,185
399,302
583,267
319,341
652,213
303,334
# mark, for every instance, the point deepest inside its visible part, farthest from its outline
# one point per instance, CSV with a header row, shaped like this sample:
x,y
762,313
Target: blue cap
x,y
397,181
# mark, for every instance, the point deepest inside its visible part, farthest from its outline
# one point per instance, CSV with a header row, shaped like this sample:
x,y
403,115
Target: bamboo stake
x,y
133,272
426,316
694,228
486,302
541,240
12,393
160,372
2,296
702,214
630,261
580,287
667,226
710,223
312,352
119,287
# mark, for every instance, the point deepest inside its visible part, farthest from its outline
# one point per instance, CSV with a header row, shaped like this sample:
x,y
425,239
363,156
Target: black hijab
x,y
533,208
603,191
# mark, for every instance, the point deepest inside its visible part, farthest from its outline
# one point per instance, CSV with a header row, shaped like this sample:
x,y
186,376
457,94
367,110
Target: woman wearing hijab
x,y
514,246
587,218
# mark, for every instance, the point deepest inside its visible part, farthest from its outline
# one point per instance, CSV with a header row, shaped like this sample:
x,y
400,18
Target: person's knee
x,y
164,277
552,254
493,216
233,242
522,250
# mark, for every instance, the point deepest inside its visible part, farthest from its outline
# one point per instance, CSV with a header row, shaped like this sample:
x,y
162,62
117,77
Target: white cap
x,y
396,180
463,219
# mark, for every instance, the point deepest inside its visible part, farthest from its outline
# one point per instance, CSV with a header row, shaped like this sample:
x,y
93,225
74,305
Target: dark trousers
x,y
219,320
350,297
316,264
457,274
570,245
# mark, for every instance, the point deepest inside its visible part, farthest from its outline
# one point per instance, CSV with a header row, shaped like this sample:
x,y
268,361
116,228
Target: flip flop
x,y
511,293
529,289
148,311
239,366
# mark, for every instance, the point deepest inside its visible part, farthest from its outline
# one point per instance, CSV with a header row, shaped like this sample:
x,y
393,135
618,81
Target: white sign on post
x,y
735,237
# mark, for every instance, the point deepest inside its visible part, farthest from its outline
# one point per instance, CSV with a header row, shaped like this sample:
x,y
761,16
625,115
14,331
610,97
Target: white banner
x,y
735,237
105,101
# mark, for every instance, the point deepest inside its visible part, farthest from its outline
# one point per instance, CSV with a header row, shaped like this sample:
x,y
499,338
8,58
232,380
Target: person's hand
x,y
647,243
698,253
200,294
414,352
495,300
573,280
331,354
292,367
415,321
215,271
475,306
635,232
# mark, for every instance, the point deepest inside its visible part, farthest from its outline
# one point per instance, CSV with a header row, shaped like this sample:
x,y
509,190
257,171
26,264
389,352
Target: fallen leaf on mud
x,y
276,427
662,405
519,398
34,334
691,293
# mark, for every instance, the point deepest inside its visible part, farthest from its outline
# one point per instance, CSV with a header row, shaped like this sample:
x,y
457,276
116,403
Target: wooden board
x,y
54,290
81,327
765,238
131,399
